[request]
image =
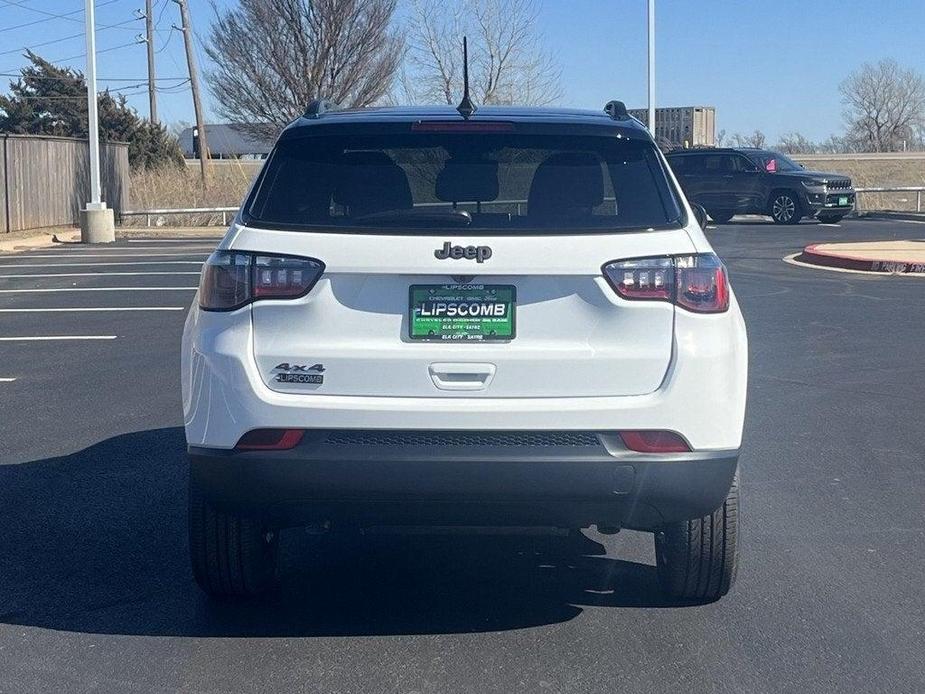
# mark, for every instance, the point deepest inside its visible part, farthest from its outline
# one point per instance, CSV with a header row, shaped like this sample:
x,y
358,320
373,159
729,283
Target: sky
x,y
774,65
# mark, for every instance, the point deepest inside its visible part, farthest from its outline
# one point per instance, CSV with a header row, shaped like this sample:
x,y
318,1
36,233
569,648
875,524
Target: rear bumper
x,y
382,478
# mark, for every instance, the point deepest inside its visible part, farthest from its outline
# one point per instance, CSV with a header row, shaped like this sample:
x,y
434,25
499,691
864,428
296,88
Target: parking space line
x,y
93,308
97,289
130,249
190,241
98,274
49,338
7,380
108,255
153,262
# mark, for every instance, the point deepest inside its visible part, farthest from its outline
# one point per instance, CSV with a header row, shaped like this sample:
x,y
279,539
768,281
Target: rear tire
x,y
697,560
721,216
232,556
785,207
830,218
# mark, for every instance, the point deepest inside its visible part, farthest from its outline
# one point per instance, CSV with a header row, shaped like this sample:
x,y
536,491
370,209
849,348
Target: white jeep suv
x,y
511,319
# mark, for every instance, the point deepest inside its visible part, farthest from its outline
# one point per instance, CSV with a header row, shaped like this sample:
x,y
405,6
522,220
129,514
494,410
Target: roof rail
x,y
319,107
616,110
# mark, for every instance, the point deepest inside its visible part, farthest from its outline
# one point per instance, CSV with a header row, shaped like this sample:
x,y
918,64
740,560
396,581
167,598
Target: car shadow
x,y
95,542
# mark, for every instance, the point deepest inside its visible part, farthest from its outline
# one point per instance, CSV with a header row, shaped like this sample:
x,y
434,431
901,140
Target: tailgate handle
x,y
461,376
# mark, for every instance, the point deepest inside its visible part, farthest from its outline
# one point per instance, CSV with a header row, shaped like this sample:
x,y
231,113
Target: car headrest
x,y
467,181
370,182
566,184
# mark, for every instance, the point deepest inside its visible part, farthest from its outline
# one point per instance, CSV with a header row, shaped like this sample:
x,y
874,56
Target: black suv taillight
x,y
232,279
695,282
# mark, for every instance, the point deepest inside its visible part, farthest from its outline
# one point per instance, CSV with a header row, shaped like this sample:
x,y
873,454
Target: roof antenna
x,y
466,108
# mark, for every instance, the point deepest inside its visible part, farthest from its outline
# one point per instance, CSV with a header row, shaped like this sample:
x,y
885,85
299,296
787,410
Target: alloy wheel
x,y
783,208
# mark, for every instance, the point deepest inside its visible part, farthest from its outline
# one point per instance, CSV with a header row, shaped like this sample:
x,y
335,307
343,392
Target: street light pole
x,y
651,22
96,221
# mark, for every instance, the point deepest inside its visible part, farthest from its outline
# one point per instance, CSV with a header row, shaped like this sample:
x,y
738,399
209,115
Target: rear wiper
x,y
418,216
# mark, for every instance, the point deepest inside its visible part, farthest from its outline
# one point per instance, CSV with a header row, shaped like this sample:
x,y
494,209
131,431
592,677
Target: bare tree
x,y
508,63
272,57
720,137
795,143
756,139
884,106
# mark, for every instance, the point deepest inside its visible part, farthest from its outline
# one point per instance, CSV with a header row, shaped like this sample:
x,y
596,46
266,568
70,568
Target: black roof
x,y
541,116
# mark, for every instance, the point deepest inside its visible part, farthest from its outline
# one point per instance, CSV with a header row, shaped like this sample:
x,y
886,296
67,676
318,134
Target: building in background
x,y
225,142
682,126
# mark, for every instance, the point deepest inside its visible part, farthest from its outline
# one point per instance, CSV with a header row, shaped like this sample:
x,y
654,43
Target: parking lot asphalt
x,y
96,594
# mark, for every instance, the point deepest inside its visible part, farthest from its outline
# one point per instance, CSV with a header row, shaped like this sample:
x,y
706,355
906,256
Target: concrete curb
x,y
43,240
812,255
886,214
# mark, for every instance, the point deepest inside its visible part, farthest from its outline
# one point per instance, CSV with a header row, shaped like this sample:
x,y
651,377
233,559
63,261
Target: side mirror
x,y
700,214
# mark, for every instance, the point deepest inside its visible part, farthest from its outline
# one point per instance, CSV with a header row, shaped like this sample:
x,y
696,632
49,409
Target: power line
x,y
104,50
101,79
58,40
66,15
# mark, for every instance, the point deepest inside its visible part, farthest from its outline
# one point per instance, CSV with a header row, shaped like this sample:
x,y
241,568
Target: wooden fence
x,y
44,181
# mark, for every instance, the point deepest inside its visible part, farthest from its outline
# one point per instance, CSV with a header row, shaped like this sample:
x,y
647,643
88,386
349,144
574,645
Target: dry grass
x,y
172,189
884,173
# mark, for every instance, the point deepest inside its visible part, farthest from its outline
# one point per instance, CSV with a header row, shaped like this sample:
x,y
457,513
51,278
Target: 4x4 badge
x,y
292,368
477,253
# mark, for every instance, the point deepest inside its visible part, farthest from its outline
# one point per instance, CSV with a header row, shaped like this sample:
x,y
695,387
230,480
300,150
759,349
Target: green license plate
x,y
843,201
461,312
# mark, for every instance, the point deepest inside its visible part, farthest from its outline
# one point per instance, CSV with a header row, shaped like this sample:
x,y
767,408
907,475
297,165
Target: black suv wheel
x,y
785,207
696,560
232,556
721,216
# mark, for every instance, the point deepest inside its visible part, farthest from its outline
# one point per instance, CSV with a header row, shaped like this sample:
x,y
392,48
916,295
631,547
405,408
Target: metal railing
x,y
918,190
225,211
148,214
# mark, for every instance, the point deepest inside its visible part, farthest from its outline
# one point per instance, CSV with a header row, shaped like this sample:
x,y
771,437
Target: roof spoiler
x,y
616,110
319,107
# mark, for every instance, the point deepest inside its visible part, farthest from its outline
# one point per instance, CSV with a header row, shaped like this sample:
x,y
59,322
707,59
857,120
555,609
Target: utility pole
x,y
149,34
96,221
651,4
194,87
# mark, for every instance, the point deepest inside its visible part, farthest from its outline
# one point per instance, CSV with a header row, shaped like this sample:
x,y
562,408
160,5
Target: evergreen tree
x,y
51,100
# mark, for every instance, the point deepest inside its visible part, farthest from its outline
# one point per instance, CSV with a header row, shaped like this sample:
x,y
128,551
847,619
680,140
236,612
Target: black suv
x,y
743,180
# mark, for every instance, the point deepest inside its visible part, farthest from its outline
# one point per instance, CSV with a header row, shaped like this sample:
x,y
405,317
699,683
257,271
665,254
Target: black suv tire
x,y
721,216
232,556
697,560
785,207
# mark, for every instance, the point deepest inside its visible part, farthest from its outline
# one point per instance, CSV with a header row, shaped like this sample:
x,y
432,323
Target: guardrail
x,y
148,214
918,190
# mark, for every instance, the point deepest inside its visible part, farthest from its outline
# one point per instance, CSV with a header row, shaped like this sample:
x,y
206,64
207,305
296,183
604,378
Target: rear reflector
x,y
653,441
270,439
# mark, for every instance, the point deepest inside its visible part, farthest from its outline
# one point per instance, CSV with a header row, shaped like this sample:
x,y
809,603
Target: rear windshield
x,y
492,181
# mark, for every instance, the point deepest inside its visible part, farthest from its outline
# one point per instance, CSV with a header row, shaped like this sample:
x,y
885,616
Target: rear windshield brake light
x,y
430,126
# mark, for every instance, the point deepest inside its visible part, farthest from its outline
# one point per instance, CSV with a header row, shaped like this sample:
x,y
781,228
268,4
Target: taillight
x,y
695,282
270,439
232,279
654,441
